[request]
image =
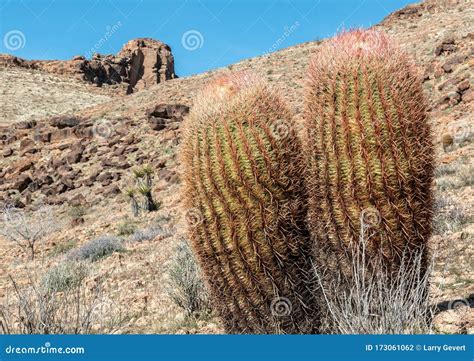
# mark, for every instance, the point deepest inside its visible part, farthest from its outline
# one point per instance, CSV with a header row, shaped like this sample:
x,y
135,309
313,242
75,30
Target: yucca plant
x,y
148,202
131,194
143,181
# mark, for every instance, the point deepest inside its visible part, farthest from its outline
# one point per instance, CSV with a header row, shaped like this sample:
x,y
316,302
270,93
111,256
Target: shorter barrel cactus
x,y
245,204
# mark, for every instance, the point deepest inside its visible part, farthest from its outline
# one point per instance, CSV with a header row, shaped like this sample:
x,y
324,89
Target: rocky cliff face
x,y
138,65
149,62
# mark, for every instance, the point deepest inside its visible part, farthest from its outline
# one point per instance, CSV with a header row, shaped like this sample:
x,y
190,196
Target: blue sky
x,y
203,34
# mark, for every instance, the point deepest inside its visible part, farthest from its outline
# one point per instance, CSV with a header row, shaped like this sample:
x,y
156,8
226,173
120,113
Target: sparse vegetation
x,y
126,227
62,247
466,176
449,216
370,299
27,229
454,175
96,249
446,169
186,287
76,212
64,276
448,183
147,234
37,308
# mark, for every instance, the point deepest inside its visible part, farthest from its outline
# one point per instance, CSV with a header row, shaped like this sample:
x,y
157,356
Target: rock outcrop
x,y
138,65
162,116
149,62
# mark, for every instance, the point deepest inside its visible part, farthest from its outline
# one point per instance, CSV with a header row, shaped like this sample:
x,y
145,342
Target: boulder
x,y
162,115
21,182
64,121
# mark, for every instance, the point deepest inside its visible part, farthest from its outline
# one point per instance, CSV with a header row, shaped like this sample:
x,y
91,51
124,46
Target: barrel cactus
x,y
369,152
245,204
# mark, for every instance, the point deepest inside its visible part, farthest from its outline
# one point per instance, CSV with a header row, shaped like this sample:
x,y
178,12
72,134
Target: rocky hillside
x,y
79,151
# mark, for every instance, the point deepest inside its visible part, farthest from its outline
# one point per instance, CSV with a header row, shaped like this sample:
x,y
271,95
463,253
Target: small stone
x,y
464,85
468,96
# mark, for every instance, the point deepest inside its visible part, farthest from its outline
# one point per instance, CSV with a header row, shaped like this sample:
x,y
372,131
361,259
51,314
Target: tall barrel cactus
x,y
369,150
245,204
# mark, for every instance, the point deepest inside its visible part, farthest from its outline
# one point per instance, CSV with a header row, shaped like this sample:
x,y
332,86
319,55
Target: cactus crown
x,y
226,92
354,47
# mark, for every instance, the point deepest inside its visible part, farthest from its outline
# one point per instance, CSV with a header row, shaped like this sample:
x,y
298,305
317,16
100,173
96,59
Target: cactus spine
x,y
245,202
369,148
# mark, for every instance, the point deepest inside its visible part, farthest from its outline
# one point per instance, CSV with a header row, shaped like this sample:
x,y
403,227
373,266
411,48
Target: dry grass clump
x,y
371,299
186,287
59,303
449,216
64,276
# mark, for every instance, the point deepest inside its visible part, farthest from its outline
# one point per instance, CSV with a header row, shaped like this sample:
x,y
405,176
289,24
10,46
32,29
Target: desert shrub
x,y
446,169
27,229
448,216
465,140
76,212
147,234
466,178
370,299
186,287
36,308
454,175
448,182
65,276
96,249
126,228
